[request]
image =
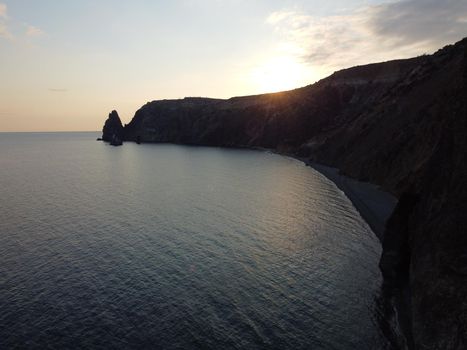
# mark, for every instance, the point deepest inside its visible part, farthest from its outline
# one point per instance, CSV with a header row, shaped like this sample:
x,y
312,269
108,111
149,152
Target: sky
x,y
64,65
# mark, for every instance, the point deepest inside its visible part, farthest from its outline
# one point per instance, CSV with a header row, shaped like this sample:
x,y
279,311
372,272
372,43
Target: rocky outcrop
x,y
113,130
399,124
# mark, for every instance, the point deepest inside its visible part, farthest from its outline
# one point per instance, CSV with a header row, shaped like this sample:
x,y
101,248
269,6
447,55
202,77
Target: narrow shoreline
x,y
373,204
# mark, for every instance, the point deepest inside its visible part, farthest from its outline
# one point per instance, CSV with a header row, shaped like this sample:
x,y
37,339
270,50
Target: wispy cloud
x,y
416,21
4,32
32,31
391,30
280,16
3,10
22,30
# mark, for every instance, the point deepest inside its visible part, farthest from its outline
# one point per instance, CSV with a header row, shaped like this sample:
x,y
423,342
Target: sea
x,y
161,246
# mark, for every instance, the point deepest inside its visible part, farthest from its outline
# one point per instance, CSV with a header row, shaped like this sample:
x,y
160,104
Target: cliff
x,y
113,130
399,124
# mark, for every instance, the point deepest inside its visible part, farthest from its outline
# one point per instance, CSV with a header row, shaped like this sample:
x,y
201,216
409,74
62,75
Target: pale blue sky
x,y
65,64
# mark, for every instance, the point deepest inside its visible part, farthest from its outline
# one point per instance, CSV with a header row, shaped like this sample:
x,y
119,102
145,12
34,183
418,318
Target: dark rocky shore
x,y
401,125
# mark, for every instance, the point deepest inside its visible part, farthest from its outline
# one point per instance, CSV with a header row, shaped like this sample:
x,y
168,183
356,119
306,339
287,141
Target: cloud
x,y
32,31
433,21
4,32
6,23
397,29
3,11
279,16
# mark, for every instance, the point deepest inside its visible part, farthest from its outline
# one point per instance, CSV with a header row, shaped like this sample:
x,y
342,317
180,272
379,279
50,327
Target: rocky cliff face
x,y
288,120
399,124
113,130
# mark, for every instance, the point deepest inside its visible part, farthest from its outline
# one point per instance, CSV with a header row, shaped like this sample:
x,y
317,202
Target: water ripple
x,y
162,246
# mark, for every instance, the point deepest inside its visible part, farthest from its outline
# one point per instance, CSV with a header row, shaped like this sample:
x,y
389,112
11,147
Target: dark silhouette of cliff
x,y
113,130
400,124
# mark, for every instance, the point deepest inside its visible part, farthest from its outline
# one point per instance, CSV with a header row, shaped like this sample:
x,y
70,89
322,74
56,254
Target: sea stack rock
x,y
113,130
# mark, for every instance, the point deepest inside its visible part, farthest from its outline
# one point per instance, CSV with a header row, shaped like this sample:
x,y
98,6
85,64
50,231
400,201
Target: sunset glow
x,y
278,74
64,65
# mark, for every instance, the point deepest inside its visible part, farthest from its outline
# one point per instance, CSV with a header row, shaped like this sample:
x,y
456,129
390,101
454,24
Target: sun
x,y
278,74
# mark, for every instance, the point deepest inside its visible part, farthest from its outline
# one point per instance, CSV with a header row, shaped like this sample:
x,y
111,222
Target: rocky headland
x,y
113,130
401,125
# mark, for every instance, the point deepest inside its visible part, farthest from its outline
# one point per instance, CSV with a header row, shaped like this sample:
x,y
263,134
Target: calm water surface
x,y
164,246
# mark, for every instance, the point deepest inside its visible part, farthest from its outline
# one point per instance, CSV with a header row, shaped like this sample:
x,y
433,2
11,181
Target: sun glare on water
x,y
279,74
